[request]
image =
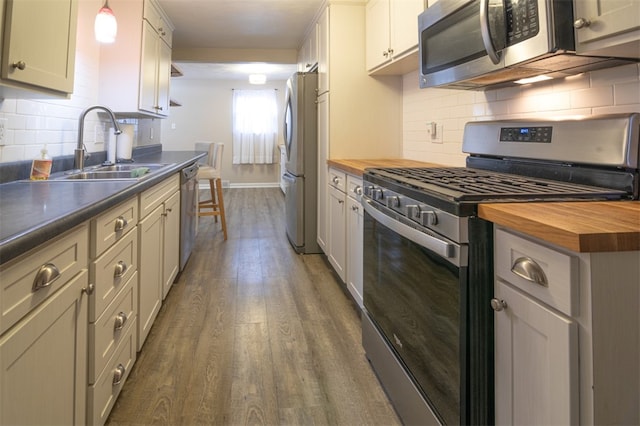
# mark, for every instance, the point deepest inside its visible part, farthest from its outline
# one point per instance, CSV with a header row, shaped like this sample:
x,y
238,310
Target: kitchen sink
x,y
115,172
122,172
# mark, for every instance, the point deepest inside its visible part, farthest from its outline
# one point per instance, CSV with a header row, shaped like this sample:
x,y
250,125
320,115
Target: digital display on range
x,y
526,134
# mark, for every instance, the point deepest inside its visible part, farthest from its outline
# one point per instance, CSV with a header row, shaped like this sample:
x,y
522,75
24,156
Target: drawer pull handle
x,y
118,374
45,276
121,320
120,269
121,223
528,269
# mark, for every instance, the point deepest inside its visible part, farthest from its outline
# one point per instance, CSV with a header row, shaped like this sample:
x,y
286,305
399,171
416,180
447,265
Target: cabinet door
x,y
355,231
39,43
607,18
164,78
404,25
149,69
171,243
43,362
323,52
337,226
150,272
323,154
536,358
378,41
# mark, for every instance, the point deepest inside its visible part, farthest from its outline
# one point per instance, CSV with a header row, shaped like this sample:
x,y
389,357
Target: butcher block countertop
x,y
580,226
589,226
356,167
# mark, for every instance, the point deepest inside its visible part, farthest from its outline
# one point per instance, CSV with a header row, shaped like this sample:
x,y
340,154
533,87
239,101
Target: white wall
x,y
613,90
205,115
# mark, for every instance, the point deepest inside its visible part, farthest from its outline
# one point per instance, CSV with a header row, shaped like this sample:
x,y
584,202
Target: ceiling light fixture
x,y
105,26
257,78
533,79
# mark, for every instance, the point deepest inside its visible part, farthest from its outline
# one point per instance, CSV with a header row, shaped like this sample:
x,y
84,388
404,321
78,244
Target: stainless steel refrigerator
x,y
301,177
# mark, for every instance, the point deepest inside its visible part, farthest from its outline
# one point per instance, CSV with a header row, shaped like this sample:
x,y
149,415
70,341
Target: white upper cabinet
x,y
308,55
135,71
608,28
392,35
39,45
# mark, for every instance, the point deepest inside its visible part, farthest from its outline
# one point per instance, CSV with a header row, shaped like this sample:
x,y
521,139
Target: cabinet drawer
x,y
110,271
518,260
111,226
153,197
103,394
354,187
19,291
107,332
338,179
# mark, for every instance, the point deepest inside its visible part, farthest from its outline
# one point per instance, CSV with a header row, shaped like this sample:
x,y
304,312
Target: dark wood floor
x,y
253,333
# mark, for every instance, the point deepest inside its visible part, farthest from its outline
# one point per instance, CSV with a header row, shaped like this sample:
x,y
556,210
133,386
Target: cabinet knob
x,y
118,374
581,23
88,290
121,320
355,208
357,190
385,53
45,276
335,180
498,304
120,224
119,269
21,65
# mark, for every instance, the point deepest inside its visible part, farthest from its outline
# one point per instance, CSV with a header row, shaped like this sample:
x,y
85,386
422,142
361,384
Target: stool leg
x,y
221,207
212,189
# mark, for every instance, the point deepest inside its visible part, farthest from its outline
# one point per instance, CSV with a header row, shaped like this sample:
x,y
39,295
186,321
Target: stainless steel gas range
x,y
428,265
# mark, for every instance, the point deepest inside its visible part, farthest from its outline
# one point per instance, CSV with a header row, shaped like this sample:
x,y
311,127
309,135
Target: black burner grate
x,y
468,184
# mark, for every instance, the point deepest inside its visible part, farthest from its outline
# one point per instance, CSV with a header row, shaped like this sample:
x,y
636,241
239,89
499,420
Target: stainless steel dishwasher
x,y
188,211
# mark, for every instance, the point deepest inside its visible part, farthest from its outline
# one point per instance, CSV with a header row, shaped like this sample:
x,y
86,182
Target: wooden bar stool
x,y
211,172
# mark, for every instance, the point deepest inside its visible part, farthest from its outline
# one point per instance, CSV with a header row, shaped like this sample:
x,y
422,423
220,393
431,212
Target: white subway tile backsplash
x,y
615,90
593,97
627,93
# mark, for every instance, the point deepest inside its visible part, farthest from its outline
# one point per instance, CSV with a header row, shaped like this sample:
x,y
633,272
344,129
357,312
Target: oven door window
x,y
413,296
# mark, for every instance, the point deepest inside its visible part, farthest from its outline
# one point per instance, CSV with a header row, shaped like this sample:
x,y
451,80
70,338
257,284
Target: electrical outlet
x,y
3,130
434,132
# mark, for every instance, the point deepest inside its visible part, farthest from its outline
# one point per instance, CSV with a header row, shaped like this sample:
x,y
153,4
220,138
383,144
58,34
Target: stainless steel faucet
x,y
78,162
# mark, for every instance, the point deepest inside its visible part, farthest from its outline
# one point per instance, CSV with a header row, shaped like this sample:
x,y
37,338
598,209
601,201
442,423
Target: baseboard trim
x,y
227,184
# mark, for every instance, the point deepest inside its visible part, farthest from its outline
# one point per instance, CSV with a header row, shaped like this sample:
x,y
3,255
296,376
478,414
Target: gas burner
x,y
465,184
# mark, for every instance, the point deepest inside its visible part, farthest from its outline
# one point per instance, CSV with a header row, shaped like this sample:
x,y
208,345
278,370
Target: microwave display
x,y
522,20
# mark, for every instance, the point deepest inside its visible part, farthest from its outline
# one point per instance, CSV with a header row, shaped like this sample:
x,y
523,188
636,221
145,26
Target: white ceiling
x,y
238,24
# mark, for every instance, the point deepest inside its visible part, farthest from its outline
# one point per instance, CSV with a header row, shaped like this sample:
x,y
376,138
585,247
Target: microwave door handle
x,y
486,32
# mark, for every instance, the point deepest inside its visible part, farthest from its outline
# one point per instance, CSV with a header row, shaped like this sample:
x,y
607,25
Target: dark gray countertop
x,y
32,213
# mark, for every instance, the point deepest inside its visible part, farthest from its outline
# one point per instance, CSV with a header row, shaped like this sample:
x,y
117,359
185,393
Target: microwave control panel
x,y
522,20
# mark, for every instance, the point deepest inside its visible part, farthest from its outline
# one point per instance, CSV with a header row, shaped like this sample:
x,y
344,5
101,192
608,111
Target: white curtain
x,y
255,126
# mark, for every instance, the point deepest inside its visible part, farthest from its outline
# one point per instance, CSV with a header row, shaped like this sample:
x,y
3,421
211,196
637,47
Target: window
x,y
255,126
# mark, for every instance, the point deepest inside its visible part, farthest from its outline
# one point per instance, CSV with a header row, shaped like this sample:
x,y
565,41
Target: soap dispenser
x,y
41,167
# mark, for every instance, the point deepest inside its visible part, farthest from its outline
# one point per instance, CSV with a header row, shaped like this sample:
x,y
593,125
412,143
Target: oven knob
x,y
393,201
376,194
428,218
412,211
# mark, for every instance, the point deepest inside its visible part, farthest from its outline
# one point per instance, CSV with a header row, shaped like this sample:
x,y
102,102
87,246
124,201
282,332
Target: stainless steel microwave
x,y
475,44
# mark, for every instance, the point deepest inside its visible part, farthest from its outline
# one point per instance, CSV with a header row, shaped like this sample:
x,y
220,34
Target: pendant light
x,y
106,26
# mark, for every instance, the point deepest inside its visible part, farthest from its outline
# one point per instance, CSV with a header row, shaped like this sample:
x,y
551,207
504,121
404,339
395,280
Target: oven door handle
x,y
442,248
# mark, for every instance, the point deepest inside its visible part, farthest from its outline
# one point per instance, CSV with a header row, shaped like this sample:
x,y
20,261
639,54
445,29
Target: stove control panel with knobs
x,y
416,212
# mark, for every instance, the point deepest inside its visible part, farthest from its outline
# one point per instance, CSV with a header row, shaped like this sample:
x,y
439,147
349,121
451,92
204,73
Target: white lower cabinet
x,y
355,234
158,250
112,307
567,338
43,345
536,358
337,223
